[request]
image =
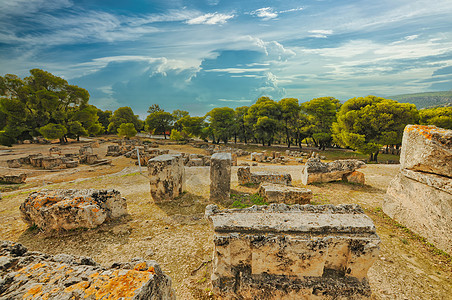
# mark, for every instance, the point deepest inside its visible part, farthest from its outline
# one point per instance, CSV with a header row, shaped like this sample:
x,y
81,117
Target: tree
x,y
321,113
123,115
265,128
179,114
242,130
193,126
160,122
221,121
154,108
127,130
366,124
53,131
76,129
104,117
289,115
438,116
264,107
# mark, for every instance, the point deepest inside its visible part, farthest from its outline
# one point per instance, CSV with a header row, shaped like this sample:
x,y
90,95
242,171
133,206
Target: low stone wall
x,y
292,252
54,210
34,275
246,177
166,176
420,196
317,171
13,179
278,193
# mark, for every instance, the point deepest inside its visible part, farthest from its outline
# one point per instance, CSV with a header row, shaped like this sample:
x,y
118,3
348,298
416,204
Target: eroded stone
x,y
166,176
246,177
278,193
220,176
317,171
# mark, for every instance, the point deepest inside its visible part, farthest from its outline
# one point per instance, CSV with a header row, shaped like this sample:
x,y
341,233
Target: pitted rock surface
x,y
246,177
279,193
292,252
34,275
317,171
166,176
220,176
53,210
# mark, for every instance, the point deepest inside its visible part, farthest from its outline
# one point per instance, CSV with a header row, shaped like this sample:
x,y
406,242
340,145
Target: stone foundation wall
x,y
292,252
34,275
420,196
279,193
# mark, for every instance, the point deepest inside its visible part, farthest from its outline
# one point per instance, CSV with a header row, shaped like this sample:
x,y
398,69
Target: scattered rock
x,y
317,171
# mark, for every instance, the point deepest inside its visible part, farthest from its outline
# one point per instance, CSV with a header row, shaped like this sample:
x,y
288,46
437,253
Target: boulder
x,y
166,176
279,193
52,163
220,176
34,275
354,177
317,171
292,252
427,149
257,156
54,210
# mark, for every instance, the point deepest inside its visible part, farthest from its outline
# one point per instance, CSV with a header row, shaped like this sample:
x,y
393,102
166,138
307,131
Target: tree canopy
x,y
124,115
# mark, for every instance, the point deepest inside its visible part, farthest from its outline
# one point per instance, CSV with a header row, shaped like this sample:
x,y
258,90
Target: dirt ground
x,y
178,237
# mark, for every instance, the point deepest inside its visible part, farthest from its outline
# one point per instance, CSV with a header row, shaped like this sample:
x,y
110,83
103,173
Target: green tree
x,y
265,129
104,117
264,107
242,130
221,121
127,130
179,114
321,114
53,131
154,108
366,124
160,122
438,116
193,126
124,115
289,114
75,130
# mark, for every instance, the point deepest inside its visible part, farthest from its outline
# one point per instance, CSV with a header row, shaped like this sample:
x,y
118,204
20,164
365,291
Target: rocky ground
x,y
180,240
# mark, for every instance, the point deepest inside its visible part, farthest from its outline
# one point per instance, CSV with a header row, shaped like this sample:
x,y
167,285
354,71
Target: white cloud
x,y
411,37
210,19
266,13
233,100
236,70
27,7
319,33
291,10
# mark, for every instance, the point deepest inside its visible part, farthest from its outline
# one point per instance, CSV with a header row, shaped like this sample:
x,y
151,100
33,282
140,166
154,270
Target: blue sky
x,y
197,55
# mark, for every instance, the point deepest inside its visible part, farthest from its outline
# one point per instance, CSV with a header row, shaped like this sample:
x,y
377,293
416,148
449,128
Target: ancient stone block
x,y
195,162
278,193
257,156
317,171
113,150
89,159
427,149
13,179
55,151
52,163
246,177
234,159
14,163
85,150
354,177
292,252
36,161
166,176
220,176
53,210
71,164
34,275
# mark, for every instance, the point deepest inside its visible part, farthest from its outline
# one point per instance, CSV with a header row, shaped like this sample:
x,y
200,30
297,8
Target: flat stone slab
x,y
278,193
54,210
318,171
292,252
13,179
246,177
34,275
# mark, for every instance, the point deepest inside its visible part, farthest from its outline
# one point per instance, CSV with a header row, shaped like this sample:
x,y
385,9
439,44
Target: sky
x,y
199,54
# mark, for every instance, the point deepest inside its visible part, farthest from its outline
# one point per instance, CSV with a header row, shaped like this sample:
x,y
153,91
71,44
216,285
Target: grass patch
x,y
246,200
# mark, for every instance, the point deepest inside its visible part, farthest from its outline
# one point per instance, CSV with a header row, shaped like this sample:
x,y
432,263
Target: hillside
x,y
426,100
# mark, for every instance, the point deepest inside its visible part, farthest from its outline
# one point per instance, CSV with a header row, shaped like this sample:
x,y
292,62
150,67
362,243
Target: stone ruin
x,y
279,193
420,196
13,179
34,275
55,210
211,149
269,157
246,177
292,252
317,171
220,176
166,177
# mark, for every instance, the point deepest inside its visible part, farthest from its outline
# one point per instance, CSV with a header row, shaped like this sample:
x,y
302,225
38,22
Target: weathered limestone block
x,y
85,150
257,156
71,164
35,275
354,177
113,150
246,177
55,151
14,163
13,179
427,149
36,161
278,193
53,210
52,163
234,159
423,203
220,176
89,159
292,252
317,171
195,162
166,176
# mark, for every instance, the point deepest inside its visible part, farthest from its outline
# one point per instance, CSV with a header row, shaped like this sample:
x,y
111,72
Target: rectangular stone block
x,y
220,176
292,252
166,176
278,193
427,149
318,171
51,163
246,177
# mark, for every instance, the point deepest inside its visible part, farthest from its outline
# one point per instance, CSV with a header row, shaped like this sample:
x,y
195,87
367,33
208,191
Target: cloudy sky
x,y
199,54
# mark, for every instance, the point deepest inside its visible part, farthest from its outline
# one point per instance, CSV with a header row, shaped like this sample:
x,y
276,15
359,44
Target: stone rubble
x,y
292,252
34,275
13,179
317,171
420,196
56,210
